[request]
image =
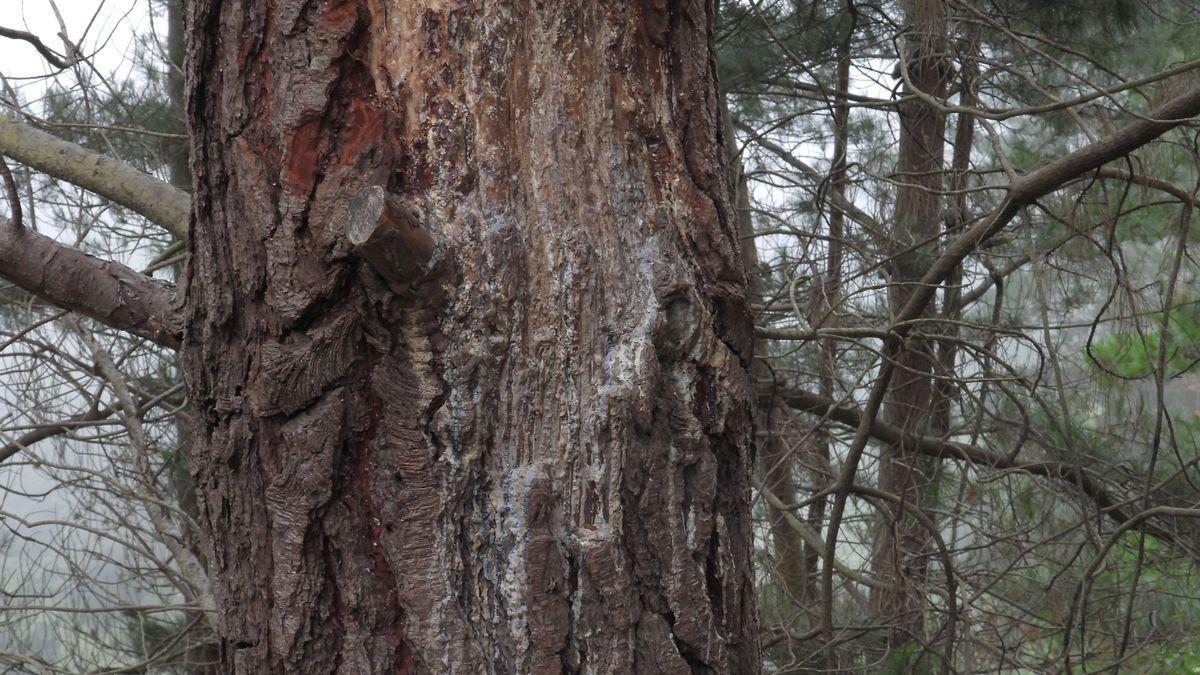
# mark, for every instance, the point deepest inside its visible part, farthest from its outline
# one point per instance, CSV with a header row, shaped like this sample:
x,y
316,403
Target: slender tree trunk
x,y
828,299
528,452
956,217
901,545
177,151
775,458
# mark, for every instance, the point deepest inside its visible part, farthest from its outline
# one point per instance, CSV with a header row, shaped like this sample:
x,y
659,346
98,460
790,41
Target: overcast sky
x,y
104,30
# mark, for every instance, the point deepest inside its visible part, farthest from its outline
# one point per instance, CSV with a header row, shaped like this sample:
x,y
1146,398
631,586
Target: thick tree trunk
x,y
902,544
530,454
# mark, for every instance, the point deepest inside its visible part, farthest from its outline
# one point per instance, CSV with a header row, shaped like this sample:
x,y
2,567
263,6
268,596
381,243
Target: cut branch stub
x,y
389,232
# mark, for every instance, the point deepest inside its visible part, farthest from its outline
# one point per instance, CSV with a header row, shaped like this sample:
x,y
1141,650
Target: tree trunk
x,y
528,453
177,150
828,301
775,457
902,544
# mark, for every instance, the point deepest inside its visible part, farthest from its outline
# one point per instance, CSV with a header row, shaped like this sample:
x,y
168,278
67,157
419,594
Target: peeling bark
x,y
536,461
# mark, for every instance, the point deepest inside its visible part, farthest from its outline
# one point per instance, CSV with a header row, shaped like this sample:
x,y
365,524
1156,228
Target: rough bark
x,y
533,457
103,290
901,545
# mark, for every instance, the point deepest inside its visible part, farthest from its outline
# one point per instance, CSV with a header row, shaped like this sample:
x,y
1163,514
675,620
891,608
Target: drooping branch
x,y
52,57
136,190
103,290
1086,481
167,528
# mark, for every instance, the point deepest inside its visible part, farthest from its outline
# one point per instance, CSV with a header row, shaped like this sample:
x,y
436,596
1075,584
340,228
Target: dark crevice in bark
x,y
330,557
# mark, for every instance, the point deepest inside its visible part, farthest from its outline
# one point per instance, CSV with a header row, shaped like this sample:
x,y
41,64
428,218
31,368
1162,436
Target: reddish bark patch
x,y
335,13
552,140
364,129
302,158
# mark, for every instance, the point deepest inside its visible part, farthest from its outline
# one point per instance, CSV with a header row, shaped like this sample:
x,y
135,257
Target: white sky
x,y
104,30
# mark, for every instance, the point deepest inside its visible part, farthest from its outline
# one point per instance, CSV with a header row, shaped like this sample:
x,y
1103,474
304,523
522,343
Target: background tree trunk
x,y
533,457
775,457
902,545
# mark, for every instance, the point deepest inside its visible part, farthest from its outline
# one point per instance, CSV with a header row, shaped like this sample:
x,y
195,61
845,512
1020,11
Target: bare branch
x,y
106,291
1070,474
43,432
168,531
96,413
838,200
156,200
52,57
1042,181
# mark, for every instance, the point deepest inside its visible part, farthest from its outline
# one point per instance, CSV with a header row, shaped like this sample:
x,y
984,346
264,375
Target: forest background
x,y
1022,496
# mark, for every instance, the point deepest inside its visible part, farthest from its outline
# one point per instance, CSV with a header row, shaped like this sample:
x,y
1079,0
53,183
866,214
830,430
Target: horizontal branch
x,y
97,413
136,190
1049,177
845,333
1074,475
51,430
103,290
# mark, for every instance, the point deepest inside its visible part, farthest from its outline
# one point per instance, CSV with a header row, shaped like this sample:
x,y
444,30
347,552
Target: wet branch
x,y
106,291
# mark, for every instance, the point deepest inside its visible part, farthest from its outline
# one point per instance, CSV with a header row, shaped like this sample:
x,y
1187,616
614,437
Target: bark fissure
x,y
534,460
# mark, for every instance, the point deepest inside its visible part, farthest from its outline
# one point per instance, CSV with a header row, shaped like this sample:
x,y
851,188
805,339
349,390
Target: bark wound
x,y
390,233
